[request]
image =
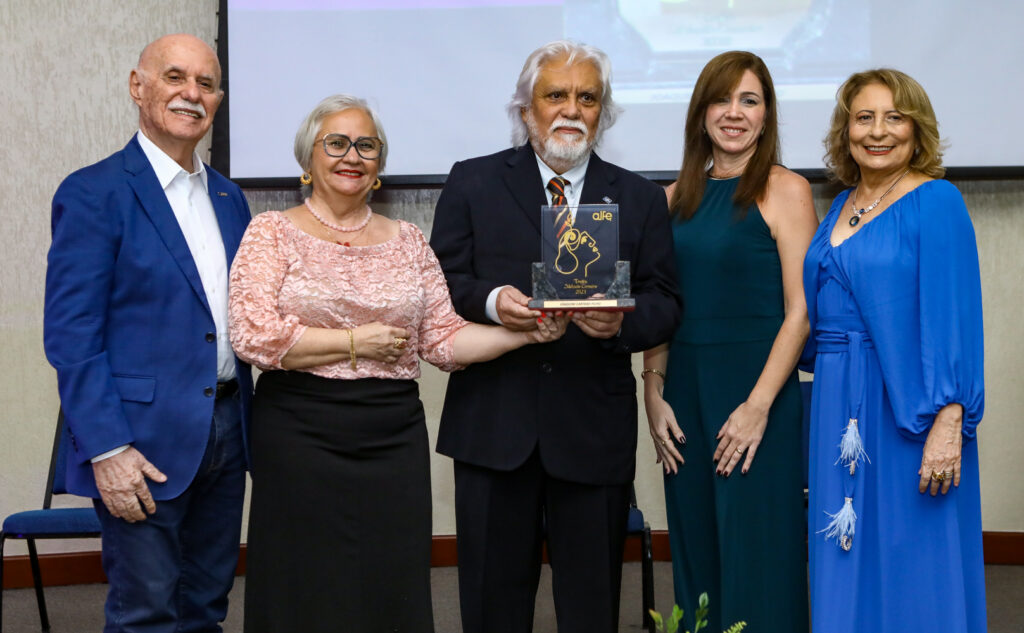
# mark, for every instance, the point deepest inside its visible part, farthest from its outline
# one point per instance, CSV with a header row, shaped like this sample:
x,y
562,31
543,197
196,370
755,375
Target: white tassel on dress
x,y
841,527
851,447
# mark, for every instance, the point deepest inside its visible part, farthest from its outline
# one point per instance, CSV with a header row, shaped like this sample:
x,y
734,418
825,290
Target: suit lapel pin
x,y
222,194
607,200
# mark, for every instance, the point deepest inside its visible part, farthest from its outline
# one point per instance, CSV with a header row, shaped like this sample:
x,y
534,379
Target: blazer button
x,y
210,337
547,368
208,392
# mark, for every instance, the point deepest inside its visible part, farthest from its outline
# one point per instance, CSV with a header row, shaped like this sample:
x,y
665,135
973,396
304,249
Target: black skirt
x,y
340,516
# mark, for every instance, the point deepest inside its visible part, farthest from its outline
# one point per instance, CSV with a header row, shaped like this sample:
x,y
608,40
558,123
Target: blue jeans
x,y
173,571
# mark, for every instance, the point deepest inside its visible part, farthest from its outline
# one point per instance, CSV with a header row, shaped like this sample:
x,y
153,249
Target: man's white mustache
x,y
182,104
576,125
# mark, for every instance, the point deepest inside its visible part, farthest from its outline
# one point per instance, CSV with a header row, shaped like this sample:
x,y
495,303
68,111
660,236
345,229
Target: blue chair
x,y
636,526
48,523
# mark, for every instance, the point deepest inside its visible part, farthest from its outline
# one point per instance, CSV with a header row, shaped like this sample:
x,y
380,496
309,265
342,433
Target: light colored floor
x,y
79,609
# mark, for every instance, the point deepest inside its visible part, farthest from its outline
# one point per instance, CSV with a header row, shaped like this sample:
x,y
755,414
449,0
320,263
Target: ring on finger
x,y
939,477
663,442
399,342
739,451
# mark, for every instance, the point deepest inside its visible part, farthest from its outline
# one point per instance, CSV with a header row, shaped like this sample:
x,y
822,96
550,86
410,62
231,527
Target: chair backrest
x,y
56,480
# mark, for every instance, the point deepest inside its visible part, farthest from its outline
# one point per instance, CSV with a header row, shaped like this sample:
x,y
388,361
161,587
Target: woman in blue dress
x,y
894,301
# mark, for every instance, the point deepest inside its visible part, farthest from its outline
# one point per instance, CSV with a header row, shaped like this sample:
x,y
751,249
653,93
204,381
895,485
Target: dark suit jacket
x,y
127,325
576,397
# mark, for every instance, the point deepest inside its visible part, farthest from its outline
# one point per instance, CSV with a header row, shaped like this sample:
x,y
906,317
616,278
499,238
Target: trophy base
x,y
624,304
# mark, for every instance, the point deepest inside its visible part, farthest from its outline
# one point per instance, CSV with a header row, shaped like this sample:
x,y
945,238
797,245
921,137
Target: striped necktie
x,y
563,218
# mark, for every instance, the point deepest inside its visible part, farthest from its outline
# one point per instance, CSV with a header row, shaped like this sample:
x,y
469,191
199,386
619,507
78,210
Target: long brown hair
x,y
718,79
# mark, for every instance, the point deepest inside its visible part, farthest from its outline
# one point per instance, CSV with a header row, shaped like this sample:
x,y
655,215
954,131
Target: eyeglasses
x,y
337,145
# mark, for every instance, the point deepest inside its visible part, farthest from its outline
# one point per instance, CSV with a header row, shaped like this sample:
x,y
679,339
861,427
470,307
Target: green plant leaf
x,y
700,619
673,622
659,624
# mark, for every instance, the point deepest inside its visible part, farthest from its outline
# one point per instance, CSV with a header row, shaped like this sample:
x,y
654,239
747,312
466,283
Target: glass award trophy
x,y
581,259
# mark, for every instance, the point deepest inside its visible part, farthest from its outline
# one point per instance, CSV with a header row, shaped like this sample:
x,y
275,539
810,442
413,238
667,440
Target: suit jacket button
x,y
210,337
208,392
547,368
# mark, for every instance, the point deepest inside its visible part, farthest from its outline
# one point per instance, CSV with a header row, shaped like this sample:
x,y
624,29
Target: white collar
x,y
574,175
166,168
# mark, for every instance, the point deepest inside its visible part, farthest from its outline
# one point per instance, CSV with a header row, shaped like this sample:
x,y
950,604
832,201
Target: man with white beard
x,y
544,438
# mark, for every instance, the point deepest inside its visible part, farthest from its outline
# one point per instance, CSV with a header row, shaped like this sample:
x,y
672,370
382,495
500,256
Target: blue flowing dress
x,y
895,313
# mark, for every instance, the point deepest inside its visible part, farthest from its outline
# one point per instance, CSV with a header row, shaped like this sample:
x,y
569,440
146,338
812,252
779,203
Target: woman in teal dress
x,y
894,296
722,398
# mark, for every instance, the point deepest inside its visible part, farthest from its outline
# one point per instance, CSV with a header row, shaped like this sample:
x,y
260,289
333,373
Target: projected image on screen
x,y
659,46
440,72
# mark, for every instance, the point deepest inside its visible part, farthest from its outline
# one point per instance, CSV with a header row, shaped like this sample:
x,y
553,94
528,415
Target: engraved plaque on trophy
x,y
581,259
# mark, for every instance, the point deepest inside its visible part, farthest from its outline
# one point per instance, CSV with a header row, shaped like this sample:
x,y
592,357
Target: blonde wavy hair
x,y
910,100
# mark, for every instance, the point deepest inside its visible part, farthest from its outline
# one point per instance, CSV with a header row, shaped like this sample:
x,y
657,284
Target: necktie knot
x,y
557,188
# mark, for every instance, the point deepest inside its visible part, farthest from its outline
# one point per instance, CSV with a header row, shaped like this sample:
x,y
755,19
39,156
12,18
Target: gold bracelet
x,y
651,370
352,348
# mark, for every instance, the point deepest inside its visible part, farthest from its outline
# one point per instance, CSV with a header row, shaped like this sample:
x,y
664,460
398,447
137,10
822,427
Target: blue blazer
x,y
127,325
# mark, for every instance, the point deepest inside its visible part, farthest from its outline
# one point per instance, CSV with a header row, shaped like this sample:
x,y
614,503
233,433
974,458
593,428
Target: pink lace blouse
x,y
284,280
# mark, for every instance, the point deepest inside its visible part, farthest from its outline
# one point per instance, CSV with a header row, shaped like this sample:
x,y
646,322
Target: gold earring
x,y
377,185
306,178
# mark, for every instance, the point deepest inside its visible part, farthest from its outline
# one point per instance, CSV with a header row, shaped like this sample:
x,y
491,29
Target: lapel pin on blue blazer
x,y
222,193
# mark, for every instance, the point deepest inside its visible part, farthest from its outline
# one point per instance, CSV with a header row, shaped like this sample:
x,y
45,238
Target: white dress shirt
x,y
189,197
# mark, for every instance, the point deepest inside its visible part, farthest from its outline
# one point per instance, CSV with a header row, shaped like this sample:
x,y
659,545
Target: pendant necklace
x,y
855,218
338,227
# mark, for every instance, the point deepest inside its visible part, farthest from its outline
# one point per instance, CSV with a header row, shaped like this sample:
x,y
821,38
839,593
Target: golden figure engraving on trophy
x,y
574,246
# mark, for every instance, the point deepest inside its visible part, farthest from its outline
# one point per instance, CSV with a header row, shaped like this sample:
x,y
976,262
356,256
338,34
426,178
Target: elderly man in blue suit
x,y
136,327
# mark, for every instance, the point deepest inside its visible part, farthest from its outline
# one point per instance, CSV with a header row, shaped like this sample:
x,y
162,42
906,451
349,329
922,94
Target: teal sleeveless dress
x,y
741,539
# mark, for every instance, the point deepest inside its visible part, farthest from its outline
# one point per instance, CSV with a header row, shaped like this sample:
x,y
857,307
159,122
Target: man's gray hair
x,y
305,137
573,52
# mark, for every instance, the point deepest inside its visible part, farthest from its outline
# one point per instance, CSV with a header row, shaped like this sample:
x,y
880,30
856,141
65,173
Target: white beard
x,y
555,150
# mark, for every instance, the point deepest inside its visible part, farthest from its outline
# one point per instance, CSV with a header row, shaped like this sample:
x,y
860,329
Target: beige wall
x,y
64,80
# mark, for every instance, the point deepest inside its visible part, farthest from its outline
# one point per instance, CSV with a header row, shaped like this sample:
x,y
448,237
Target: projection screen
x,y
440,72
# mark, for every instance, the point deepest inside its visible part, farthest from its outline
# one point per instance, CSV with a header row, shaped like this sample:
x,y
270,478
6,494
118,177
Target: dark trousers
x,y
741,538
173,571
502,519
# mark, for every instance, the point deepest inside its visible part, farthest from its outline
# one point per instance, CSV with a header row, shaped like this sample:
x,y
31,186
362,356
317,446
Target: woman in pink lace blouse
x,y
336,305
